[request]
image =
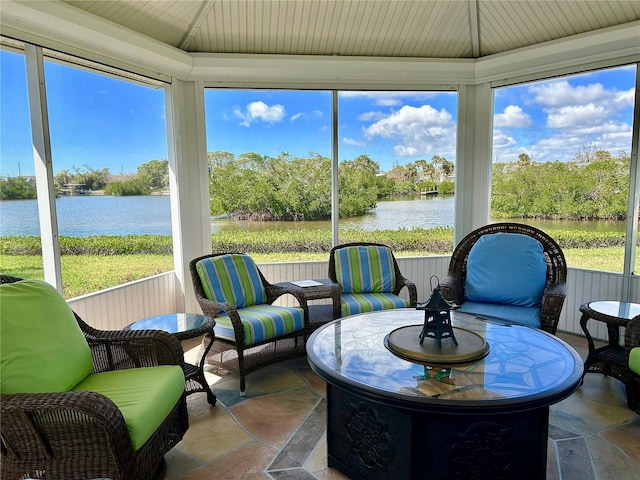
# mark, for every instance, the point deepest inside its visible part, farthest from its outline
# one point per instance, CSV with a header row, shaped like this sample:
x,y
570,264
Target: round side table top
x,y
183,325
612,309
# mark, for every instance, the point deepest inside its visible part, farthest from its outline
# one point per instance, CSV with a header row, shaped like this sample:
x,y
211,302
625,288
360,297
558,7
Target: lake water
x,y
106,215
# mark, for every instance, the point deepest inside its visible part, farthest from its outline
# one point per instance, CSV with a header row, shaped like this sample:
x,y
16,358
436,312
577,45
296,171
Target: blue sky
x,y
103,122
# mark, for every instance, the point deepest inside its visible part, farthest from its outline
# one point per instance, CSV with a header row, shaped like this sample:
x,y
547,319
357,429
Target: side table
x,y
609,359
185,326
321,288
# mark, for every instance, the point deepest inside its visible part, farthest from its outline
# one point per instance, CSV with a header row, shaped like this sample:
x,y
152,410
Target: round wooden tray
x,y
405,343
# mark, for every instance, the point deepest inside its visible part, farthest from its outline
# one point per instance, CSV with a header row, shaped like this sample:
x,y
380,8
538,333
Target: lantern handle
x,y
431,282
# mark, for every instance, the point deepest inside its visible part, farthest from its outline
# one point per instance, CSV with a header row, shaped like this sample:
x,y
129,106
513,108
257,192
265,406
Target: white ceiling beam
x,y
328,72
62,27
195,24
599,49
58,26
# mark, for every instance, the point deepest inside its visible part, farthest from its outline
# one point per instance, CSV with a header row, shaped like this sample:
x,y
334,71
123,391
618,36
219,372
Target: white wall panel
x,y
116,307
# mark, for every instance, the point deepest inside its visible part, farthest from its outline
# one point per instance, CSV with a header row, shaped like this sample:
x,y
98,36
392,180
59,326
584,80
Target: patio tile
x,y
610,462
575,463
278,431
273,418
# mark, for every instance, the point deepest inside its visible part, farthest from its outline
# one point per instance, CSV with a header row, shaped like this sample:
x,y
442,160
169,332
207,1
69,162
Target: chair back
x,y
554,258
506,269
231,278
365,268
42,348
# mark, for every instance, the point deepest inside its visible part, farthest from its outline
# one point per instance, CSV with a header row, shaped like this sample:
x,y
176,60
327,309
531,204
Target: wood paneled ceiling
x,y
370,28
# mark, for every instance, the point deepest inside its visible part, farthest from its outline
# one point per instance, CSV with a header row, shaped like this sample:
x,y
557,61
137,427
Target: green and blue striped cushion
x,y
352,303
365,269
231,278
234,278
262,322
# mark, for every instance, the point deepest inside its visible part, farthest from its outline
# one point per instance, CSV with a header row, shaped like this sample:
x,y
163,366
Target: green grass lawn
x,y
84,274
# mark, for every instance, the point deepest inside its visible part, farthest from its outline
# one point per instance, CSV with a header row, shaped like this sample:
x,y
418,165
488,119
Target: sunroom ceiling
x,y
372,28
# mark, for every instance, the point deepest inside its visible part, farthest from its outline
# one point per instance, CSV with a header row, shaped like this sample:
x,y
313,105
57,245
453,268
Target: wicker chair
x,y
230,288
453,286
632,355
83,434
365,289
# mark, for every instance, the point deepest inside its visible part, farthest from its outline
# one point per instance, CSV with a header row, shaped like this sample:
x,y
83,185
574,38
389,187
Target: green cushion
x,y
231,278
365,269
42,348
634,360
145,396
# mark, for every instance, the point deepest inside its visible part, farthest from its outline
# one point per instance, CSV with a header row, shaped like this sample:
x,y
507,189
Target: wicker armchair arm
x,y
632,335
212,309
451,289
122,349
276,290
411,287
63,425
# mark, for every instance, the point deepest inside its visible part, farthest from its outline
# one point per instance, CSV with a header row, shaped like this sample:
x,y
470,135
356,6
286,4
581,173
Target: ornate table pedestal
x,y
391,418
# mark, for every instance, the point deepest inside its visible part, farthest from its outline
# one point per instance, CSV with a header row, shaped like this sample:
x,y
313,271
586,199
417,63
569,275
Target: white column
x,y
189,185
473,158
43,166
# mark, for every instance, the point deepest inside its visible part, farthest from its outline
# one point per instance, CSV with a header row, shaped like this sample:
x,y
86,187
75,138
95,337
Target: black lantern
x,y
437,317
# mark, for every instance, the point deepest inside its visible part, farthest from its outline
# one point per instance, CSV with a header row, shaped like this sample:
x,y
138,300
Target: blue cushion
x,y
506,268
529,316
352,303
261,323
231,278
365,269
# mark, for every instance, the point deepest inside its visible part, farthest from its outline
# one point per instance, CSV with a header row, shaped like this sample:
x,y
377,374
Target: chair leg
x,y
242,386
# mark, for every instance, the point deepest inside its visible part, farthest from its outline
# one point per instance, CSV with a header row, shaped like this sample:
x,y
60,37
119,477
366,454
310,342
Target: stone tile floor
x,y
278,430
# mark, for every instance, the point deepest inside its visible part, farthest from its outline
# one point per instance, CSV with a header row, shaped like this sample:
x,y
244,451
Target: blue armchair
x,y
509,271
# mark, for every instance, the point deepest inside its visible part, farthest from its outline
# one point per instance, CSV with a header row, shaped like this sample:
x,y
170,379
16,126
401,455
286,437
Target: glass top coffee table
x,y
388,414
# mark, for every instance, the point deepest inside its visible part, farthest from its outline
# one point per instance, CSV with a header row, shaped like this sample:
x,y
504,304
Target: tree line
x,y
258,187
597,189
252,186
150,177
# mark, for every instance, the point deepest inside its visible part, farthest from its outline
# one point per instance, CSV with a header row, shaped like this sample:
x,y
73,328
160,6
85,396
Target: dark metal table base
x,y
368,440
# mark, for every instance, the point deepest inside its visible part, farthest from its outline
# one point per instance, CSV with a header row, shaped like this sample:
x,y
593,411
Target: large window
x,y
269,154
562,162
270,157
397,169
19,227
110,170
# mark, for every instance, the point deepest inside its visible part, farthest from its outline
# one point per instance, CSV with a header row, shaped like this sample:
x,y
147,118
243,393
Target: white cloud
x,y
353,142
369,116
296,116
512,117
259,111
502,140
562,93
418,131
577,115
